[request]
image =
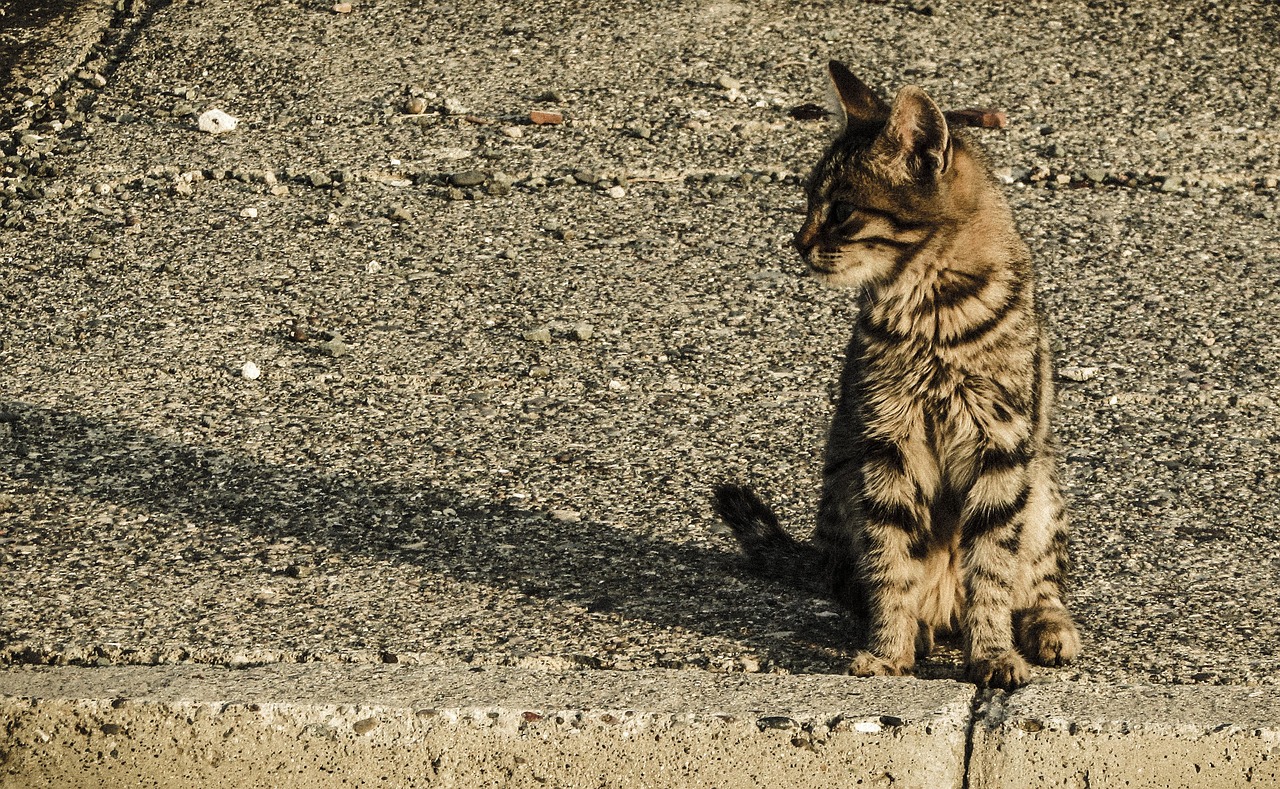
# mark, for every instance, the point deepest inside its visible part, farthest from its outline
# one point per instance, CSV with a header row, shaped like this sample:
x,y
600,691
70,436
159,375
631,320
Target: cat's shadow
x,y
608,570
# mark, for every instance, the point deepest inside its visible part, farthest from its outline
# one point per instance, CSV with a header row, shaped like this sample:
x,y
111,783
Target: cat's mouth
x,y
825,265
834,275
835,268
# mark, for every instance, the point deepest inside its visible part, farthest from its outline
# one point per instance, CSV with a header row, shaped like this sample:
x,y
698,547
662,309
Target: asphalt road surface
x,y
390,373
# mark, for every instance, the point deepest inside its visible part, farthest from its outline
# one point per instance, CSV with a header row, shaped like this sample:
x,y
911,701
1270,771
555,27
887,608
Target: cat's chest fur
x,y
906,382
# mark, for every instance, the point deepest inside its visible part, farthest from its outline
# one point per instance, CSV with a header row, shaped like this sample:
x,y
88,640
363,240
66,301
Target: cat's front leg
x,y
1042,627
892,581
893,533
990,537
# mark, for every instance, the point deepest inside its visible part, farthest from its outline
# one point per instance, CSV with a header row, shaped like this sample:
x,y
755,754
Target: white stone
x,y
217,122
1078,373
250,371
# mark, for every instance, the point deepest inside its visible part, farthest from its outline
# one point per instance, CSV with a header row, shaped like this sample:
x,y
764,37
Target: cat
x,y
940,506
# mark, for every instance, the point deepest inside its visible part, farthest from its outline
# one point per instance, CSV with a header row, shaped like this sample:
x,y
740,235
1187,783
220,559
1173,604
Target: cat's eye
x,y
840,211
877,241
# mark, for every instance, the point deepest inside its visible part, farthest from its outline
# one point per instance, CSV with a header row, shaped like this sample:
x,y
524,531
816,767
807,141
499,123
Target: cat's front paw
x,y
868,664
1007,671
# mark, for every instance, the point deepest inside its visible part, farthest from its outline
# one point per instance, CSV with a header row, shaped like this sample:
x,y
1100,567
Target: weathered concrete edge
x,y
1167,736
321,724
328,725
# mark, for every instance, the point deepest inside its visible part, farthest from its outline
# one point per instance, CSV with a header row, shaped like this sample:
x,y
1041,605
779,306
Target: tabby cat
x,y
940,506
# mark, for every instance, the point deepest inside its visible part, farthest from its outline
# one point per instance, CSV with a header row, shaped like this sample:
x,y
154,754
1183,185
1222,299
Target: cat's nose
x,y
804,239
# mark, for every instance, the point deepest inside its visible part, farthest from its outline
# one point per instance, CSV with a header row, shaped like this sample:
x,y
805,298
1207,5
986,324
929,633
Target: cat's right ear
x,y
915,144
857,104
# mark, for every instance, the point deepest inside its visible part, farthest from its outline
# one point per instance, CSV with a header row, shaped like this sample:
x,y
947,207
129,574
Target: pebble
x,y
545,117
582,331
514,132
566,516
801,112
249,213
540,334
978,117
638,129
467,178
398,213
500,184
416,105
729,83
217,122
454,107
776,722
341,8
335,347
250,371
1078,373
617,192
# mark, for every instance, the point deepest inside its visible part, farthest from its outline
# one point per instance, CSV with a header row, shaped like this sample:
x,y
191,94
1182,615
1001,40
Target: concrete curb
x,y
322,725
1099,736
334,725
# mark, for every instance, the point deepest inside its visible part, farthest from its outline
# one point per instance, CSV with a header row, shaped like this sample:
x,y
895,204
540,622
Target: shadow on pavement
x,y
21,26
603,568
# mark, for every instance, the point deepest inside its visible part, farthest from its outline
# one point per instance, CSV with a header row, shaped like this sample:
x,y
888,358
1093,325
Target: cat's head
x,y
892,178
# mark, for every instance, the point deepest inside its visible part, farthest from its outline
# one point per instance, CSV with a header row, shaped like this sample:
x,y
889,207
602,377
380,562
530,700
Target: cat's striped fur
x,y
940,505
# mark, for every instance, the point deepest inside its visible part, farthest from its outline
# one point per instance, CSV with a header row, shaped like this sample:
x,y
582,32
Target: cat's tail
x,y
769,550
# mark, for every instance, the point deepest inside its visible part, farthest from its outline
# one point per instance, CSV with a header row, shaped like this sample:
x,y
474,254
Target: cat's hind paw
x,y
1048,636
868,664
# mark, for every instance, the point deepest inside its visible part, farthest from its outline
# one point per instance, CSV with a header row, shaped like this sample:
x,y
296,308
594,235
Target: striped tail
x,y
769,550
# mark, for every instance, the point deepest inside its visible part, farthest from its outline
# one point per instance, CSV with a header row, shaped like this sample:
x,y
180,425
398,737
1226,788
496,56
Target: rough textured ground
x,y
501,364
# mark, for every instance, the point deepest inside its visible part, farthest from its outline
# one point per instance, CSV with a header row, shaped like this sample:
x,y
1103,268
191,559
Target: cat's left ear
x,y
856,103
915,144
